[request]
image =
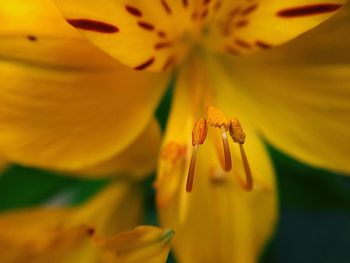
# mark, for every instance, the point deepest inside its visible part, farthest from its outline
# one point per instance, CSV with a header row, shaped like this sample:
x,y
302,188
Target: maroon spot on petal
x,y
185,3
217,5
194,15
146,25
90,231
93,25
170,61
204,14
145,64
249,9
242,23
133,10
206,2
308,10
242,43
161,45
233,13
263,44
32,38
166,7
232,50
162,34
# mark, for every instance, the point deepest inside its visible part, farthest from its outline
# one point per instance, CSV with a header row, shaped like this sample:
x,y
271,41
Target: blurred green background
x,y
314,204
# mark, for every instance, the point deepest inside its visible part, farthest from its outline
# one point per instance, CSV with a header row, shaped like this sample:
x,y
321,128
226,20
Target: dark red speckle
x,y
146,25
32,38
133,10
166,7
308,10
263,44
93,25
145,64
90,231
249,9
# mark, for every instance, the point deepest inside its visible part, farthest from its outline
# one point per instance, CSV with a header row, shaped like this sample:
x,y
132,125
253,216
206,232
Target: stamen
x,y
191,170
227,155
199,134
248,184
238,136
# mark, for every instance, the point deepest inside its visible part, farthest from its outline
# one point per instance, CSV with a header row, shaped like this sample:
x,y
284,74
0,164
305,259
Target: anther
x,y
199,134
236,131
216,118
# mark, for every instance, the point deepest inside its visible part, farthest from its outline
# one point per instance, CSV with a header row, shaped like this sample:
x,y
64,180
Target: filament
x,y
191,170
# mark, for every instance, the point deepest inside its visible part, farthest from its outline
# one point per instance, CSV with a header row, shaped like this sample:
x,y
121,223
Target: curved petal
x,y
246,26
57,108
84,234
143,244
232,225
137,160
140,34
300,99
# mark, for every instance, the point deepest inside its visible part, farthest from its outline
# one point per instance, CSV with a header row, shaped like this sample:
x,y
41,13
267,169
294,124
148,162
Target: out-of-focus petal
x,y
63,103
145,35
89,233
137,160
246,26
143,244
298,95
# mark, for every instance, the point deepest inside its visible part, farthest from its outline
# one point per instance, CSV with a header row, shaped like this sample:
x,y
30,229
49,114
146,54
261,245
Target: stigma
x,y
216,119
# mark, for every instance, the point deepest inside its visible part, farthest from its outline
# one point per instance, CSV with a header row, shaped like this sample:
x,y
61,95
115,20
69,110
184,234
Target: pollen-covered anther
x,y
216,118
199,132
236,131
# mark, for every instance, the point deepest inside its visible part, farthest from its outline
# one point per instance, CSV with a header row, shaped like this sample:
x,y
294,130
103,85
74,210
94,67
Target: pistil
x,y
217,119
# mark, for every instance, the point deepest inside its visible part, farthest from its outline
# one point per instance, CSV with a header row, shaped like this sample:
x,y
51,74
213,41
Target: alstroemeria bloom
x,y
227,73
90,233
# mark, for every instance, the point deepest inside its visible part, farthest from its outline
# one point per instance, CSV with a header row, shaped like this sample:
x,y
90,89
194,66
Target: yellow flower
x,y
64,104
90,233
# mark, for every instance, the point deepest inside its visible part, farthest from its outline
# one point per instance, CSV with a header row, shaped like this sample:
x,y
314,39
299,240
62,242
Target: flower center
x,y
216,118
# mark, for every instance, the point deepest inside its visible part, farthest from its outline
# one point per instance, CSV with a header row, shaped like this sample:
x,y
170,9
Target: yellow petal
x,y
58,110
105,213
246,26
137,160
231,224
141,34
300,99
143,244
117,208
64,234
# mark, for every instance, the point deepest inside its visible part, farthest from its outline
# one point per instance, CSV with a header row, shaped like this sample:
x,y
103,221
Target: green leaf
x,y
304,187
22,187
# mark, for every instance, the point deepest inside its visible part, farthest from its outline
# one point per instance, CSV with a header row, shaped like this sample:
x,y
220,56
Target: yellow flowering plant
x,y
71,101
